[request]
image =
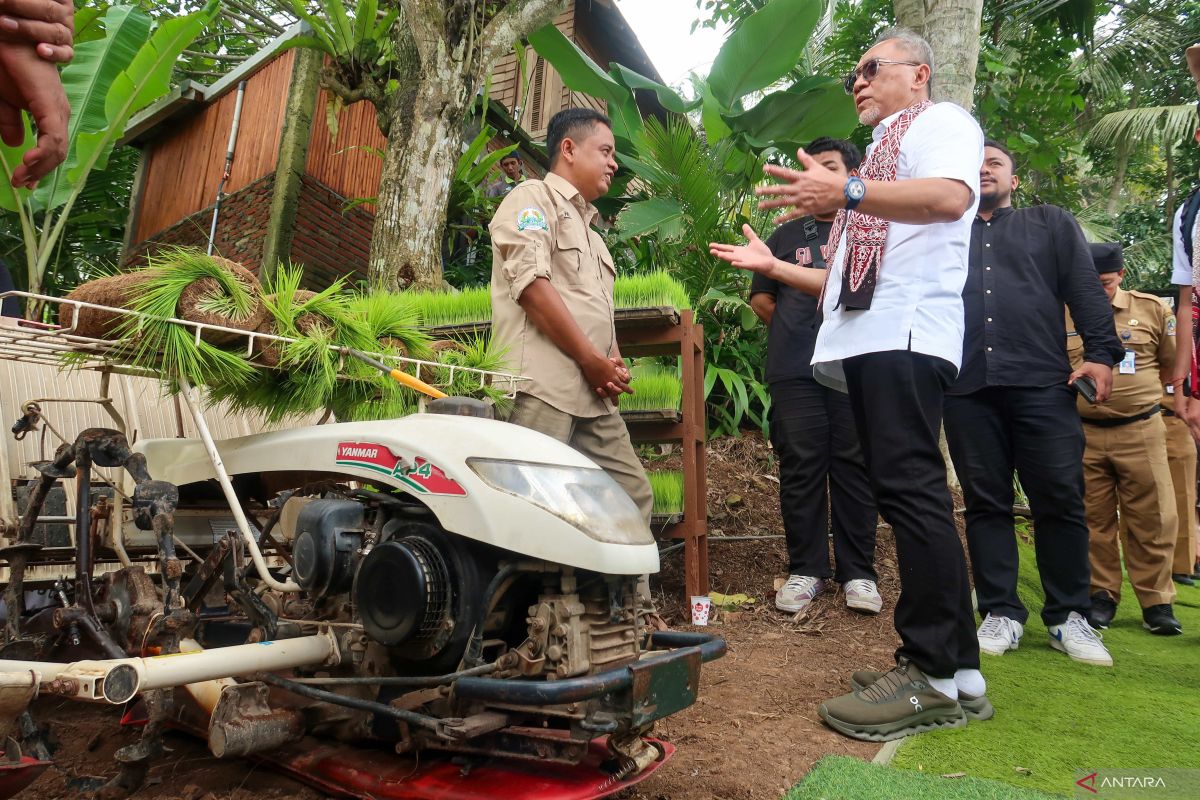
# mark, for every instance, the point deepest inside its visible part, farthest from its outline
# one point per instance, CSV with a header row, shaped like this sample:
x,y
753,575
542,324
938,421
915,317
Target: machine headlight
x,y
586,498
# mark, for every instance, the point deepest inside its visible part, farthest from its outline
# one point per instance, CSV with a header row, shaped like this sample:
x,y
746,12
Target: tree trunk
x,y
952,29
414,188
443,51
1118,184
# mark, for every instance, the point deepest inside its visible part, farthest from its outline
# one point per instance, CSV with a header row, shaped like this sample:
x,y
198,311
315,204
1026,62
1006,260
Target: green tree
x,y
420,63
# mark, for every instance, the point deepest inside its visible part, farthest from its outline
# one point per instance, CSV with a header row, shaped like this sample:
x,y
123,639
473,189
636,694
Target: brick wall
x,y
328,241
241,228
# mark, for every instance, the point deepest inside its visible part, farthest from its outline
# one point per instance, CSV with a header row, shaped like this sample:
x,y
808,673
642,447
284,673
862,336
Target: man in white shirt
x,y
1185,237
892,336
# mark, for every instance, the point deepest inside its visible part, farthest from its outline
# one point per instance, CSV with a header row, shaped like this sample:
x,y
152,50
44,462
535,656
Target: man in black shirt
x,y
1013,406
812,426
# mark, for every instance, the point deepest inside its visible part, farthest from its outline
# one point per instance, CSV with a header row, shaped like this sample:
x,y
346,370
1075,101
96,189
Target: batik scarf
x,y
866,235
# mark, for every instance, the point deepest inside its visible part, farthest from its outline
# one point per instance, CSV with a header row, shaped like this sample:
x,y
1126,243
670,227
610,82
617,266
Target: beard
x,y
870,116
991,197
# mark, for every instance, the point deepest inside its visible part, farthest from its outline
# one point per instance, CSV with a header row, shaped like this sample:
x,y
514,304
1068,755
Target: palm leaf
x,y
1132,127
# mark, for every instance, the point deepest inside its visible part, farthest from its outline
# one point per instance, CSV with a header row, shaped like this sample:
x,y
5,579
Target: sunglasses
x,y
870,71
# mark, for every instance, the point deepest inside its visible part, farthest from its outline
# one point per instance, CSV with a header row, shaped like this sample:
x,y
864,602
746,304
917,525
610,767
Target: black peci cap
x,y
1107,257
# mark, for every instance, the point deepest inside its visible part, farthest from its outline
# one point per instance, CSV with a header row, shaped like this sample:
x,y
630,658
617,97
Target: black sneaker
x,y
1159,620
1183,579
1104,608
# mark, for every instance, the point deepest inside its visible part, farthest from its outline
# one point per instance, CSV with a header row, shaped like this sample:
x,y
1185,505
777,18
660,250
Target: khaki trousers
x,y
1181,454
604,439
1125,469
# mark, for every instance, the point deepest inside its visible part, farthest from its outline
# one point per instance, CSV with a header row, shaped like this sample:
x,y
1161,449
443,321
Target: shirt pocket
x,y
1074,347
573,260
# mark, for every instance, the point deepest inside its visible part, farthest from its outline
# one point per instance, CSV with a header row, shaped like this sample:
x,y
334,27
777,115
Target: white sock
x,y
970,681
946,686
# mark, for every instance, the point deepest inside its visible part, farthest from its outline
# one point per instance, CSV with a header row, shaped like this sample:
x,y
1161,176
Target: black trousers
x,y
821,470
1037,432
897,400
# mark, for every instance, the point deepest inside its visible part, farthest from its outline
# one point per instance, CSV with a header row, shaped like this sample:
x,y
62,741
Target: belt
x,y
1117,421
1166,412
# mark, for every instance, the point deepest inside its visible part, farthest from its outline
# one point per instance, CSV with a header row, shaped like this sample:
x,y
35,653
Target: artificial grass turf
x,y
1055,716
844,778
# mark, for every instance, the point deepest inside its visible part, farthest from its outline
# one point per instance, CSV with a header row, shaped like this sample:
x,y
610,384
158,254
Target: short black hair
x,y
512,156
570,123
1012,162
851,155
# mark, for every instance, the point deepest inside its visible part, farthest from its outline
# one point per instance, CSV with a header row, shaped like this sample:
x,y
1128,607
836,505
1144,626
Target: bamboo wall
x,y
184,166
347,163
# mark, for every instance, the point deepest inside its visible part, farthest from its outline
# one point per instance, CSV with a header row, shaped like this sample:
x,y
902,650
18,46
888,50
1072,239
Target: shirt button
x,y
989,349
989,269
989,319
989,291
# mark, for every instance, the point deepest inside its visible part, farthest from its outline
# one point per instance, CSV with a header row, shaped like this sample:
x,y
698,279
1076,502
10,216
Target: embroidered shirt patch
x,y
531,219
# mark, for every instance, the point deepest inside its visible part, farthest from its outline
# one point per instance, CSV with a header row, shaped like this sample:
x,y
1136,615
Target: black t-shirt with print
x,y
793,331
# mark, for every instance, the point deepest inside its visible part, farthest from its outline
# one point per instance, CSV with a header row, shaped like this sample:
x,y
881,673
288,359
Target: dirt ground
x,y
751,735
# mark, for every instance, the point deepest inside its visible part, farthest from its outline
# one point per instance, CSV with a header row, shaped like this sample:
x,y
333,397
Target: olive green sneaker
x,y
976,708
900,703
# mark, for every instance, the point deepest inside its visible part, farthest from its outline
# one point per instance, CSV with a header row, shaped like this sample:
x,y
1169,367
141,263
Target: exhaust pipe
x,y
118,680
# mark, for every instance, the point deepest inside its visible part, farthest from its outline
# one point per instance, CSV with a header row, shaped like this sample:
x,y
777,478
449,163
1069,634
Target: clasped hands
x,y
608,377
35,35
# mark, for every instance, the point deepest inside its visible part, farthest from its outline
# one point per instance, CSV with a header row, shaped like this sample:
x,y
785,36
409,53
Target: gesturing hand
x,y
813,190
754,255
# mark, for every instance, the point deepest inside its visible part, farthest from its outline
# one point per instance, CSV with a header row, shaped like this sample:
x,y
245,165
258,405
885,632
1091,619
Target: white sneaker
x,y
1080,641
862,595
998,635
798,592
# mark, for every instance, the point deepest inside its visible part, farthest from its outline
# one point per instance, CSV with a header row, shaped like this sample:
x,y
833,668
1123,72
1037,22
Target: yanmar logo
x,y
422,477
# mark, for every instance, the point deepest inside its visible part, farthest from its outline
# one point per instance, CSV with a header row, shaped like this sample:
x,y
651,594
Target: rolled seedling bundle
x,y
113,291
180,283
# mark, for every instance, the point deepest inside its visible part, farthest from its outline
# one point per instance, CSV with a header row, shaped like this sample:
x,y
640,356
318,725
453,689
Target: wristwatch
x,y
855,191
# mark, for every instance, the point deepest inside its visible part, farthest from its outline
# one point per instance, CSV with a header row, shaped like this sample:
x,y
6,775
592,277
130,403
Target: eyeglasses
x,y
870,71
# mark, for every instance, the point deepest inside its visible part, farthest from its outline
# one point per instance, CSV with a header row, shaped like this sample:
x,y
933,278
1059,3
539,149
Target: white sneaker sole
x,y
793,608
865,606
1099,662
994,652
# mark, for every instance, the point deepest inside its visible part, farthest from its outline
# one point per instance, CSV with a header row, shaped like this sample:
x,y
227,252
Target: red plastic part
x,y
15,777
379,775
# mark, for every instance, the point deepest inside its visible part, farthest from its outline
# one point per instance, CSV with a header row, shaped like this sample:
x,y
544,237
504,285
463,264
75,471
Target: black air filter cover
x,y
402,591
328,532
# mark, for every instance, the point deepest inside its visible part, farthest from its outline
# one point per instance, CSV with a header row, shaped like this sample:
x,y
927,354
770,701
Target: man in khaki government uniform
x,y
552,301
1125,457
1181,455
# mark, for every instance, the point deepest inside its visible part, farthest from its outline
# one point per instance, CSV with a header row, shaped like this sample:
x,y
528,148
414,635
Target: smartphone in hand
x,y
1086,387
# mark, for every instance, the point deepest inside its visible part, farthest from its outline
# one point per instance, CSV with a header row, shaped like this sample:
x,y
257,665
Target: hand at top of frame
x,y
48,25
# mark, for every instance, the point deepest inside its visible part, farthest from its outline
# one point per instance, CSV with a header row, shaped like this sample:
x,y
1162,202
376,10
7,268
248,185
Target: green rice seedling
x,y
650,290
173,349
654,388
393,320
477,352
473,304
667,486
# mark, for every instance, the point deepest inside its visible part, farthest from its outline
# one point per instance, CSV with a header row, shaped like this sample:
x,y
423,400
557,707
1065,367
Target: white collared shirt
x,y
1181,267
917,303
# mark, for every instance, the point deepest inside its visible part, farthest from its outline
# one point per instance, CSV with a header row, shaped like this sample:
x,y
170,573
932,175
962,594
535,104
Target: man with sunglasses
x,y
892,337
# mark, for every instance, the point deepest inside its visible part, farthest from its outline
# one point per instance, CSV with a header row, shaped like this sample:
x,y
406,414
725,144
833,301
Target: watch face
x,y
856,190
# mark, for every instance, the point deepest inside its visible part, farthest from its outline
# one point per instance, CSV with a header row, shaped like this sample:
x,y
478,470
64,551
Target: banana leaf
x,y
765,46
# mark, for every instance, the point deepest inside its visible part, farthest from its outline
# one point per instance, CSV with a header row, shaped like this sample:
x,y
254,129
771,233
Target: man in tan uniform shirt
x,y
1181,455
1125,457
552,301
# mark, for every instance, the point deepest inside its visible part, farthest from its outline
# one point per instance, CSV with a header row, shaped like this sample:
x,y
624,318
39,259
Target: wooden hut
x,y
292,179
